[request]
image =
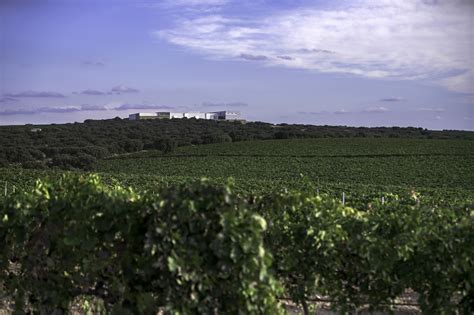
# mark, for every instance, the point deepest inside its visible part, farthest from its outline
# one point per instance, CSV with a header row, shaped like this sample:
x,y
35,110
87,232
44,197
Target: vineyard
x,y
358,221
327,147
412,163
201,248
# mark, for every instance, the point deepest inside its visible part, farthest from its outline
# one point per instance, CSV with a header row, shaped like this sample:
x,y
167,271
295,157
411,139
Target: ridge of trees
x,y
80,145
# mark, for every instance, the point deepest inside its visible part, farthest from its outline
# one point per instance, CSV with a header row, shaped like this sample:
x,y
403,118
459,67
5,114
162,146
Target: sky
x,y
331,62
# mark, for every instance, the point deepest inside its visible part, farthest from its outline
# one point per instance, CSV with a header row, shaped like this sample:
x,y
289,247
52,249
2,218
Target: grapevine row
x,y
201,248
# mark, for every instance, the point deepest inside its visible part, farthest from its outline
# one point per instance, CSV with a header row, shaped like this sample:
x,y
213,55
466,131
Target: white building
x,y
140,116
222,115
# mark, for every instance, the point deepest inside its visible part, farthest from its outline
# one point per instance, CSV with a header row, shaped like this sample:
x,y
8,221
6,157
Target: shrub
x,y
166,145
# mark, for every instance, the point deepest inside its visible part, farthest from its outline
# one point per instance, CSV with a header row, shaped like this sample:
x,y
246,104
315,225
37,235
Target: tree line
x,y
80,145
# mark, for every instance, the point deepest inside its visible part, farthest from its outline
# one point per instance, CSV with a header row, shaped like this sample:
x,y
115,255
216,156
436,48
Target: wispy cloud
x,y
92,63
30,111
368,110
92,92
253,57
60,109
119,89
313,112
376,109
10,112
315,50
189,6
93,108
430,109
342,111
286,57
141,106
194,2
408,39
202,5
35,94
123,89
52,109
7,99
392,99
224,105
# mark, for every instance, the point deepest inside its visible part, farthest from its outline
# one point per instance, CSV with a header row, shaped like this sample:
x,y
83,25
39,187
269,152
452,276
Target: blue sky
x,y
358,63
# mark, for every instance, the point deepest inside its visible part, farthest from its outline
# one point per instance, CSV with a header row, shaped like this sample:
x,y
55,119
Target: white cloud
x,y
342,111
403,39
320,112
123,89
190,6
253,57
7,99
430,109
142,106
35,94
52,110
93,108
463,82
92,63
224,104
392,99
377,109
92,92
195,2
368,110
